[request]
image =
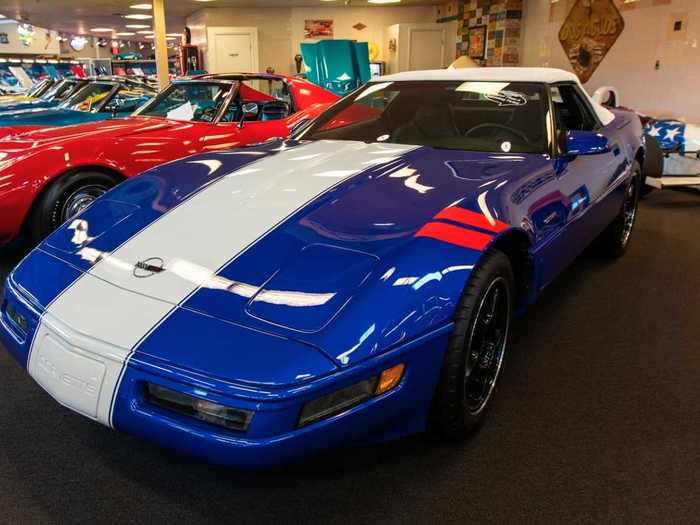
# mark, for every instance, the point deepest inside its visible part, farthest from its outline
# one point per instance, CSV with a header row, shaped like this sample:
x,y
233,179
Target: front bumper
x,y
273,436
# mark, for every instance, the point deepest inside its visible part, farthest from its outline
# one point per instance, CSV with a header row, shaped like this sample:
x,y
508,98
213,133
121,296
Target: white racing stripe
x,y
87,334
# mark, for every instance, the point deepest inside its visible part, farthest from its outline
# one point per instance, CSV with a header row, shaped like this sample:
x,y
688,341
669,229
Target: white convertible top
x,y
548,75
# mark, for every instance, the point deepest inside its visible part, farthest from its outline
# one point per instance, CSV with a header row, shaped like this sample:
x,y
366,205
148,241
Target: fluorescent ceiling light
x,y
125,33
138,17
173,34
141,6
383,1
145,32
138,26
102,29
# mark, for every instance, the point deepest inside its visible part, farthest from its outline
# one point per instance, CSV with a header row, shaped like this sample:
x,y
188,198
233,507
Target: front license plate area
x,y
72,379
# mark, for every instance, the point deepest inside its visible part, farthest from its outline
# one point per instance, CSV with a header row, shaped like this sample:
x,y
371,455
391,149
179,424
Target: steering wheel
x,y
208,114
502,127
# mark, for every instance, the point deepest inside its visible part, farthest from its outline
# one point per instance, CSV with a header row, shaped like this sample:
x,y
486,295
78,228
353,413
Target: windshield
x,y
192,102
89,98
503,117
37,90
59,91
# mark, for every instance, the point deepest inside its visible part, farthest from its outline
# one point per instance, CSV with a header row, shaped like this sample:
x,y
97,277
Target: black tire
x,y
613,242
64,198
460,405
653,164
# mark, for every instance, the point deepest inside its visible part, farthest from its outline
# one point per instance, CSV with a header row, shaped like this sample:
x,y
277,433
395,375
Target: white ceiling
x,y
78,16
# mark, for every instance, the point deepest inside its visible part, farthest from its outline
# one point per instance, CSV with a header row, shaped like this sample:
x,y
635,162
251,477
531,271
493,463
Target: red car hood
x,y
115,128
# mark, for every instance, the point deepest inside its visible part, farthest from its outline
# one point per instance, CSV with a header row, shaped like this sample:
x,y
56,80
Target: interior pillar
x,y
161,43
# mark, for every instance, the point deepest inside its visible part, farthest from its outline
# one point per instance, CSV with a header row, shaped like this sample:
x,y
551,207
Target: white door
x,y
233,50
426,49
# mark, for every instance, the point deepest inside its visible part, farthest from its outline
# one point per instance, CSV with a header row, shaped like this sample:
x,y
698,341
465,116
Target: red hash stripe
x,y
470,218
455,235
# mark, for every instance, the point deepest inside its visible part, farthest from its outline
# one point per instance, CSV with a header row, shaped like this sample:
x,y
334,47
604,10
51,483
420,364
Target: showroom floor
x,y
596,421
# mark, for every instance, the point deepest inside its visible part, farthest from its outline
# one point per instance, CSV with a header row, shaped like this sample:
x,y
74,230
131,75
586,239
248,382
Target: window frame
x,y
102,104
175,83
557,150
230,97
550,148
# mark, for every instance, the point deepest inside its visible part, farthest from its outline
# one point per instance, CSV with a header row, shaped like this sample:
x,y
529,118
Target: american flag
x,y
670,134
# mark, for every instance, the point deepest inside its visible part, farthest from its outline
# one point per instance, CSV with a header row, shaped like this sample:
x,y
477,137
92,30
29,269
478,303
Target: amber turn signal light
x,y
389,378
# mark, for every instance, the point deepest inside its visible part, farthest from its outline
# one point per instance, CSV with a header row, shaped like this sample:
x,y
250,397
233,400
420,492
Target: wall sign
x,y
26,33
78,43
588,33
318,28
477,42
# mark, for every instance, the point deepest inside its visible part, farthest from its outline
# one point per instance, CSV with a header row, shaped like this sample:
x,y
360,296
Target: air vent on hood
x,y
312,288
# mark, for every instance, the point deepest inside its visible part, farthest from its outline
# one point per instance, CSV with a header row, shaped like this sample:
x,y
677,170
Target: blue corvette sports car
x,y
97,100
349,285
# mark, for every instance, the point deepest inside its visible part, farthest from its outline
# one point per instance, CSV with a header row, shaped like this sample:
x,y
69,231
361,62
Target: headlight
x,y
348,397
18,319
220,415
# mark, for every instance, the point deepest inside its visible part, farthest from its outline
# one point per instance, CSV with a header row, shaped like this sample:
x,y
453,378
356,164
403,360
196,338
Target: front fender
x,y
410,294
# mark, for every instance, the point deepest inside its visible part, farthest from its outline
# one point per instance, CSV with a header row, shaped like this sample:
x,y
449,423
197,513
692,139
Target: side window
x,y
571,111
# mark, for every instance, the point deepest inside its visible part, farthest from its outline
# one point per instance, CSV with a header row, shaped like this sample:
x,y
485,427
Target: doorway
x,y
426,48
232,49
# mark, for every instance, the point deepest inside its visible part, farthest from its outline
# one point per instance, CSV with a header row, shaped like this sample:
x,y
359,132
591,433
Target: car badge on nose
x,y
149,267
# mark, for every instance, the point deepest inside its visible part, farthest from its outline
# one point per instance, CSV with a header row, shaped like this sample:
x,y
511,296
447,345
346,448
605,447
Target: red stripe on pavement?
x,y
470,218
455,235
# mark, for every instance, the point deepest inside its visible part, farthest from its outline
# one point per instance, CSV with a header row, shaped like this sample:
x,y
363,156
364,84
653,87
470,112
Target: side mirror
x,y
249,111
576,142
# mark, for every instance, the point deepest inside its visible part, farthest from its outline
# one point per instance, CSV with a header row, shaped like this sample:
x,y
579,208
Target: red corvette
x,y
47,175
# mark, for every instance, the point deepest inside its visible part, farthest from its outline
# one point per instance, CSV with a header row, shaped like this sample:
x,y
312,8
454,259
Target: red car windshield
x,y
191,102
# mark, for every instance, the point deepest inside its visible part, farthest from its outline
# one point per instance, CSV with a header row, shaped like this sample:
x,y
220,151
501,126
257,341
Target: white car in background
x,y
673,147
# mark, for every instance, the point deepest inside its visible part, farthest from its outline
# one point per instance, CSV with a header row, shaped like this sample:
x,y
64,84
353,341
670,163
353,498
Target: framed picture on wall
x,y
318,28
477,42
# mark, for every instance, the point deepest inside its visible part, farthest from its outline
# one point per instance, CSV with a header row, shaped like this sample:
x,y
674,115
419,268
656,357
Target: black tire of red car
x,y
614,241
653,164
476,348
65,197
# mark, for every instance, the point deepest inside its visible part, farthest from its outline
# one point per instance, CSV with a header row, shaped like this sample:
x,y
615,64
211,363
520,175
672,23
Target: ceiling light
x,y
125,33
383,1
101,29
138,26
173,34
138,17
145,32
203,0
141,6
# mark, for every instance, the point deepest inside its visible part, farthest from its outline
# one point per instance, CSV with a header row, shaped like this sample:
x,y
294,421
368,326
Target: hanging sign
x,y
588,33
26,33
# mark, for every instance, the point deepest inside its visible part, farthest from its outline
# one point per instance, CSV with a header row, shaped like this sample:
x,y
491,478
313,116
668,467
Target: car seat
x,y
274,110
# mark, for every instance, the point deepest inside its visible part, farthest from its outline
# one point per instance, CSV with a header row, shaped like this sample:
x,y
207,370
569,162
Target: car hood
x,y
27,104
35,138
48,117
286,235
